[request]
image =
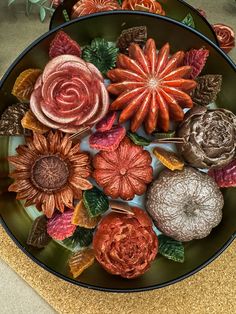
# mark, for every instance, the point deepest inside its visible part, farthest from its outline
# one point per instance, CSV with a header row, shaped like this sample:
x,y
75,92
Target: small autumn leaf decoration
x,y
102,54
188,20
95,201
138,139
82,237
170,248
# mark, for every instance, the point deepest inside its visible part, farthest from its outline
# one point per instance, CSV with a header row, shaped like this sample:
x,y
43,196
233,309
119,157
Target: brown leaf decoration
x,y
208,86
137,34
38,236
10,122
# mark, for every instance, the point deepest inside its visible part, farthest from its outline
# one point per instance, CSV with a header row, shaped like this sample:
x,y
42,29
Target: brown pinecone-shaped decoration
x,y
208,86
10,121
137,34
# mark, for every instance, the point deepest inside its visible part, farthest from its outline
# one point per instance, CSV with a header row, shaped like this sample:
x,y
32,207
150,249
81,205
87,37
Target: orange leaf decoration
x,y
143,5
168,159
81,217
24,84
30,122
81,260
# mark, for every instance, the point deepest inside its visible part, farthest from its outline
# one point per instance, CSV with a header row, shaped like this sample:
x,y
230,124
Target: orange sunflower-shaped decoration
x,y
150,86
50,171
123,172
84,7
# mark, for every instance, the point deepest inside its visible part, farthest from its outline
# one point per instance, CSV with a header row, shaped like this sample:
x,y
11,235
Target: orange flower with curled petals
x,y
143,5
85,7
125,245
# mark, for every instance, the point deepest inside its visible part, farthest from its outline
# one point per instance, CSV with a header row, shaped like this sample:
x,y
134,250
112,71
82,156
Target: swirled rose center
x,y
49,173
69,92
222,36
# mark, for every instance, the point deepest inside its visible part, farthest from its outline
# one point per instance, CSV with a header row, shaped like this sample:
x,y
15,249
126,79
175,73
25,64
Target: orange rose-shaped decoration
x,y
69,95
143,5
125,244
225,36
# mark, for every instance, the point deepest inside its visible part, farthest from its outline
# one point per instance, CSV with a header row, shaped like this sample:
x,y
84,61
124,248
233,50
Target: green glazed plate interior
x,y
175,9
17,221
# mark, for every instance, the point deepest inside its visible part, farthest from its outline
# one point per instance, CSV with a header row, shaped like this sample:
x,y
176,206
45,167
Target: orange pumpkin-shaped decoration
x,y
125,172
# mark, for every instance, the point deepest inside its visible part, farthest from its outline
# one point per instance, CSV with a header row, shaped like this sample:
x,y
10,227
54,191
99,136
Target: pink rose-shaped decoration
x,y
69,95
225,36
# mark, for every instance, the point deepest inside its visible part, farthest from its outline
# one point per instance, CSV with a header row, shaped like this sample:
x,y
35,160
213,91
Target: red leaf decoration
x,y
63,44
59,227
225,177
196,58
108,140
107,122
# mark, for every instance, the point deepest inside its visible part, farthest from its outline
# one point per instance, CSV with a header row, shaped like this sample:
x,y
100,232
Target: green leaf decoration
x,y
95,201
81,237
102,54
10,2
159,135
188,20
66,15
34,1
120,2
171,249
42,14
138,140
28,8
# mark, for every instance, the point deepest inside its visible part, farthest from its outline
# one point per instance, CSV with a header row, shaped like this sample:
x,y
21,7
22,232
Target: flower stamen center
x,y
49,173
153,83
123,171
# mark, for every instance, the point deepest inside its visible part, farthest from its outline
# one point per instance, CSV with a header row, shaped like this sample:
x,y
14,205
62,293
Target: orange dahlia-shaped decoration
x,y
84,7
123,172
50,172
143,5
150,86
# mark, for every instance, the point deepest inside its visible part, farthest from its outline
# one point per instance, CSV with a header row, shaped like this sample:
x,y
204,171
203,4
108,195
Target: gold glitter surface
x,y
212,290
